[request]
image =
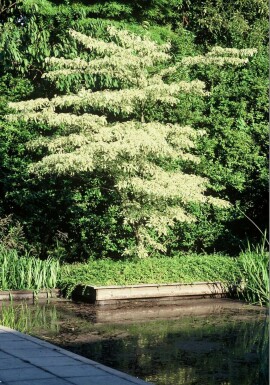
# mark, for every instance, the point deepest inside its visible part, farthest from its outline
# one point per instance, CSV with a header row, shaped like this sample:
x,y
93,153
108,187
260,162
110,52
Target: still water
x,y
196,342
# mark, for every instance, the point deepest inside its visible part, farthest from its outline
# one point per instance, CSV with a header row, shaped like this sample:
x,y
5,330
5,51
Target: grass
x,y
254,277
250,271
182,268
254,272
26,272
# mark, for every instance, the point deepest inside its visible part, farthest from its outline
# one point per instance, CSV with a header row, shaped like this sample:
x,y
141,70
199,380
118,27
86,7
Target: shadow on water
x,y
208,343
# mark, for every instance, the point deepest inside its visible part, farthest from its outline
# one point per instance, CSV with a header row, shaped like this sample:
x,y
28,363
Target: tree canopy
x,y
200,93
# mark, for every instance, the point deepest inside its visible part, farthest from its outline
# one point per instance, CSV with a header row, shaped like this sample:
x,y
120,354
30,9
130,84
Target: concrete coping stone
x,y
156,285
108,294
18,295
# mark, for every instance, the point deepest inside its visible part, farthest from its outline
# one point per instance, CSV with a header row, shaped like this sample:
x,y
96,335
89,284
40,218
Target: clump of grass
x,y
254,272
182,268
254,277
26,272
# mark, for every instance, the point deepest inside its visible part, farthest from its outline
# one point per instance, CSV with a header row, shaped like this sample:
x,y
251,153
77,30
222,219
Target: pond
x,y
206,342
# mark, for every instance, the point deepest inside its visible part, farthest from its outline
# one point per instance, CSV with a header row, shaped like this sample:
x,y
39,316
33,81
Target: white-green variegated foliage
x,y
130,150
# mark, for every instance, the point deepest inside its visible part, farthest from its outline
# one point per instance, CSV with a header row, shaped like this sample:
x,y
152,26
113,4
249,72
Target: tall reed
x,y
254,273
26,272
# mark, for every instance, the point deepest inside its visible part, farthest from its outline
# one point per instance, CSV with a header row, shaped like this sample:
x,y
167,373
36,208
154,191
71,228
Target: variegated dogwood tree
x,y
131,151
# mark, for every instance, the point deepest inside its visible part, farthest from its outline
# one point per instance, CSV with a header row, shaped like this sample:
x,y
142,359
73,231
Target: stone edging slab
x,y
18,295
113,294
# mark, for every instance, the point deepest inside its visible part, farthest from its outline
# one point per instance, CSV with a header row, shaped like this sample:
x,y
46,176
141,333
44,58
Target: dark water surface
x,y
202,342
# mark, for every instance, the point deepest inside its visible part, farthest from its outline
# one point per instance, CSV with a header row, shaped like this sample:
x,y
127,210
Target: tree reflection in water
x,y
229,348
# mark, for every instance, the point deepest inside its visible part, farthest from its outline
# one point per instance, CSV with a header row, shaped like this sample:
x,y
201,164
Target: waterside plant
x,y
26,272
254,277
254,272
249,272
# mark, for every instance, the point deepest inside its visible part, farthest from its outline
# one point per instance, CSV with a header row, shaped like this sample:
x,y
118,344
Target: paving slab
x,y
25,373
47,381
100,380
26,354
12,363
28,360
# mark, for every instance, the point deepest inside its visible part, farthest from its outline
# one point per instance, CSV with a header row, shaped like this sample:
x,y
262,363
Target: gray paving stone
x,y
25,354
99,380
30,373
17,344
9,337
12,363
4,355
47,381
47,362
73,371
37,341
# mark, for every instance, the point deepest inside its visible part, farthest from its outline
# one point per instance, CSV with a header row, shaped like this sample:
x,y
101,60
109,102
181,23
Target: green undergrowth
x,y
182,268
247,275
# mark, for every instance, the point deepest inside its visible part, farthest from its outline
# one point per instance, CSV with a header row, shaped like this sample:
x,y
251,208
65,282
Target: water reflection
x,y
27,317
228,346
